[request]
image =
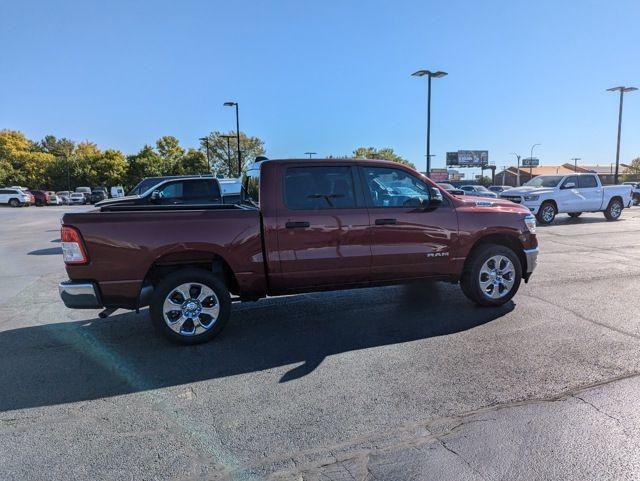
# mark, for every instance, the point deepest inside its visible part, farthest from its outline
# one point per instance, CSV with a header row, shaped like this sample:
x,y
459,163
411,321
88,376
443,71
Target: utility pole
x,y
517,169
228,137
205,140
622,91
310,154
575,163
531,160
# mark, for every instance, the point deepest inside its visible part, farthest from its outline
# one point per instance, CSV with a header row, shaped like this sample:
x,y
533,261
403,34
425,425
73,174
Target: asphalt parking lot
x,y
393,383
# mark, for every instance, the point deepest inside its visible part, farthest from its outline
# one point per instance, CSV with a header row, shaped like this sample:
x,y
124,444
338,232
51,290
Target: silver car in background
x,y
478,191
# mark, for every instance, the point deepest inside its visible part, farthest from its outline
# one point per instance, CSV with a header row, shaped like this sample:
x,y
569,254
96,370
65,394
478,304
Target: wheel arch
x,y
506,240
174,261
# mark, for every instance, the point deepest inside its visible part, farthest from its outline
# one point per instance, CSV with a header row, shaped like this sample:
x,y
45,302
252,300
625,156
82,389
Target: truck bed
x,y
124,244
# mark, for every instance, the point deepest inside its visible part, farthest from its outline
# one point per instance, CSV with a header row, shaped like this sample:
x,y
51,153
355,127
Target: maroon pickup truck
x,y
303,225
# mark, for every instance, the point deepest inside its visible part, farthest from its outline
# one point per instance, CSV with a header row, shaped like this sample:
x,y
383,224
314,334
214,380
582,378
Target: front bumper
x,y
532,259
80,295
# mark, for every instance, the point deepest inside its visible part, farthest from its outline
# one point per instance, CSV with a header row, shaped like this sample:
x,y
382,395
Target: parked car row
x,y
18,196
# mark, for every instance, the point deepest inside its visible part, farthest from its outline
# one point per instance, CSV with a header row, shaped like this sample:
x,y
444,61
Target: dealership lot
x,y
386,383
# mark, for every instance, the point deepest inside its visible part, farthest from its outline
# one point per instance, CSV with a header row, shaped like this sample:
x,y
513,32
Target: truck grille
x,y
513,198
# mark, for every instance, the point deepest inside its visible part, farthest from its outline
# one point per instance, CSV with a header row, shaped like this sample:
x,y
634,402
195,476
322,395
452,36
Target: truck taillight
x,y
72,249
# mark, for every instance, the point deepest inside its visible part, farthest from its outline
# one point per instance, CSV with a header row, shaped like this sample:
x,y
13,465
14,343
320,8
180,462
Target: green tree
x,y
250,148
193,162
146,163
171,154
21,160
633,172
386,153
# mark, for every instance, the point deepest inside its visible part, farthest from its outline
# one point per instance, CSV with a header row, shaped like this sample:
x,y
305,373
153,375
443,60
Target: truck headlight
x,y
531,197
530,222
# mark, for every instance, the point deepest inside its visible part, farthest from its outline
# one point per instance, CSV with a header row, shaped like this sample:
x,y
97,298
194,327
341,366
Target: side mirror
x,y
156,196
436,197
570,185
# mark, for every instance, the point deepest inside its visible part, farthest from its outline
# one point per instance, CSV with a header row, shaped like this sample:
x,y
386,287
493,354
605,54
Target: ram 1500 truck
x,y
548,195
304,225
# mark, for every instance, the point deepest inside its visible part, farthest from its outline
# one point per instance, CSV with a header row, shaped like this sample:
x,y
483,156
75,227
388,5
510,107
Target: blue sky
x,y
327,76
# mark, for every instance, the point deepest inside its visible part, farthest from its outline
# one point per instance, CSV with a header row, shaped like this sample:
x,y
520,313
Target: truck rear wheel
x,y
546,213
614,209
492,276
190,306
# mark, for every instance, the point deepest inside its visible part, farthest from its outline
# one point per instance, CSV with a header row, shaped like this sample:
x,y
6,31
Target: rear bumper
x,y
80,295
532,259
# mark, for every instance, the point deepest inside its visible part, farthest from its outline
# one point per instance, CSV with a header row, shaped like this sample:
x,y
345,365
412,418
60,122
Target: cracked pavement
x,y
387,383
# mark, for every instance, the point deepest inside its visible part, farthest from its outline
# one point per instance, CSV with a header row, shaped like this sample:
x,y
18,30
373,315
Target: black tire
x,y
169,285
546,213
471,277
614,209
14,203
575,215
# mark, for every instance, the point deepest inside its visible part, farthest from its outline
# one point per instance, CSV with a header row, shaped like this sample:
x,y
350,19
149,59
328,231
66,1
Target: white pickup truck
x,y
548,195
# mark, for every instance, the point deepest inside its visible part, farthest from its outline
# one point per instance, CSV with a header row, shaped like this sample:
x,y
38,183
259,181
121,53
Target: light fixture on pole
x,y
429,74
310,153
622,91
235,104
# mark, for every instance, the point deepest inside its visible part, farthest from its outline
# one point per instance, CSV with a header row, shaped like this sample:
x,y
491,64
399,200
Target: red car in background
x,y
40,197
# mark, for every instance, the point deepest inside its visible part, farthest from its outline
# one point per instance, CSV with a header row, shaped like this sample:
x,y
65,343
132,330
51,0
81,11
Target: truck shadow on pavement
x,y
49,251
84,360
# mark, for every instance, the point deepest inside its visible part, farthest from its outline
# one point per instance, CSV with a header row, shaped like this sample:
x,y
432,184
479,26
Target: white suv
x,y
13,197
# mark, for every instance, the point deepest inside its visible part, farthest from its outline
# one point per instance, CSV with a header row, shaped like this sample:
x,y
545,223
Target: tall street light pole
x,y
517,169
575,163
531,160
228,137
310,153
622,91
235,104
429,74
205,141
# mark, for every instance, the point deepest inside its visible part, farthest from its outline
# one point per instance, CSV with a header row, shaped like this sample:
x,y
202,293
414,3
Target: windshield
x,y
444,185
481,188
545,181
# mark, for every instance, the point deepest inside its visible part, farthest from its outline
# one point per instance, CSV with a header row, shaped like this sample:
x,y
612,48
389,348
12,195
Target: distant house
x,y
606,172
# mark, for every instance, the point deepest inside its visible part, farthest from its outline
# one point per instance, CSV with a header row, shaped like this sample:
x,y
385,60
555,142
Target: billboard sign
x,y
468,158
530,162
439,175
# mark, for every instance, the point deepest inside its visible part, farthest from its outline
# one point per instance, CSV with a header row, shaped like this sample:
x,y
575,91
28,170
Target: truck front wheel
x,y
614,209
492,276
547,213
190,306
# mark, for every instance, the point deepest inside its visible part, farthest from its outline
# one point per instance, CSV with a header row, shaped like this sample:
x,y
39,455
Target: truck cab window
x,y
195,191
311,188
587,182
389,187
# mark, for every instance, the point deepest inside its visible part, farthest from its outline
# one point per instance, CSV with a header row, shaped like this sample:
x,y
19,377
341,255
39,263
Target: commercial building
x,y
606,172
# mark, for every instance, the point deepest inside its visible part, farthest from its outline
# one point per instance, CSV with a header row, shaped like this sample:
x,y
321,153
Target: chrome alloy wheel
x,y
191,309
497,276
616,210
548,213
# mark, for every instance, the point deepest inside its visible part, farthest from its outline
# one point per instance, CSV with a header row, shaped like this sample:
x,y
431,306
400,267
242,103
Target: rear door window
x,y
316,187
587,182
